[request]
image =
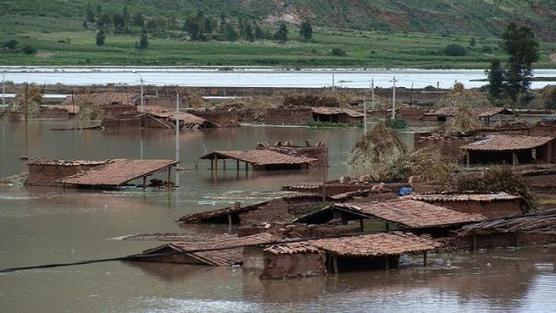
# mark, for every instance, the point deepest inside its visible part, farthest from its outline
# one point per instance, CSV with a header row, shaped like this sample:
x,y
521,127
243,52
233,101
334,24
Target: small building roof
x,y
507,143
404,212
481,112
371,245
184,117
216,252
259,157
461,197
336,111
117,172
413,214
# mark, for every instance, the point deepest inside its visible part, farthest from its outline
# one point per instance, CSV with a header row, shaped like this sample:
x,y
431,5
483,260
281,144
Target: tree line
x,y
198,27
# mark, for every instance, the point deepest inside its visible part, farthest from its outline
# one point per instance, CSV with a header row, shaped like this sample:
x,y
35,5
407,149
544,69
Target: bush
x,y
339,52
455,50
396,123
10,44
28,50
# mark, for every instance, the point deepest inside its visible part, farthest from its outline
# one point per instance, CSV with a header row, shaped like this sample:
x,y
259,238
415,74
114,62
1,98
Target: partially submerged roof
x,y
507,143
372,245
66,162
460,197
223,252
336,111
413,214
259,157
450,111
542,222
404,212
118,172
185,118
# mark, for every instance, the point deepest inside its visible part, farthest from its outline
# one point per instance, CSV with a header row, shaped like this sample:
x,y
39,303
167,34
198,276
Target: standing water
x,y
51,225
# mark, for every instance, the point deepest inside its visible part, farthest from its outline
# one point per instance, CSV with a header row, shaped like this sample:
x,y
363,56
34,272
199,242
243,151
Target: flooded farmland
x,y
49,225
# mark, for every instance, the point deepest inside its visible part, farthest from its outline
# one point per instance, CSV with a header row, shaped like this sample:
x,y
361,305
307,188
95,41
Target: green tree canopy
x,y
281,34
306,31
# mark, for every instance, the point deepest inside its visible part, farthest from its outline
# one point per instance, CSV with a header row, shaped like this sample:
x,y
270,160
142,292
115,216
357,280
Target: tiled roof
x,y
412,213
231,249
381,244
117,172
259,157
507,142
478,197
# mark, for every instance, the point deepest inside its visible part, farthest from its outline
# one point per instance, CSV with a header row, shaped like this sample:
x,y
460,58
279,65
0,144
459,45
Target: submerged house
x,y
510,149
491,205
278,157
487,115
410,215
337,115
105,174
333,255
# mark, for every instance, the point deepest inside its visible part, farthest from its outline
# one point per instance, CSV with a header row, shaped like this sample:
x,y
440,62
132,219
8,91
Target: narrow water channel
x,y
47,225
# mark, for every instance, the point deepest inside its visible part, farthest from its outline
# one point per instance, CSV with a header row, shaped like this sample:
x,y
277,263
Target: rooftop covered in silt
x,y
361,252
511,149
261,159
403,213
95,174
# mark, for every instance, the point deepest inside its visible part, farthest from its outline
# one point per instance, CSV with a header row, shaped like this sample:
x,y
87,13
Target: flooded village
x,y
277,199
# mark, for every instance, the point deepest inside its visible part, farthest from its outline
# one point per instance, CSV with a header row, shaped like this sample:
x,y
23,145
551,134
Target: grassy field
x,y
363,49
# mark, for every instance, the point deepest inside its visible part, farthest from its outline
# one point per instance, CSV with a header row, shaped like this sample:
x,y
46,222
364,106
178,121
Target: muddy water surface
x,y
48,225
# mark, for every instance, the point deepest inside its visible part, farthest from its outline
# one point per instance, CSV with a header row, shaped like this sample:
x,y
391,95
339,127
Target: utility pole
x,y
394,98
177,127
3,89
26,101
365,113
373,93
411,95
333,82
142,100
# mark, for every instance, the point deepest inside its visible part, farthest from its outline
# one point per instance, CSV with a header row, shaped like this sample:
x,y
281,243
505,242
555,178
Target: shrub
x,y
339,52
455,50
10,44
29,50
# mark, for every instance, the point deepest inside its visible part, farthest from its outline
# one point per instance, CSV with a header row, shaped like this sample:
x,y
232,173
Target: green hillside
x,y
371,32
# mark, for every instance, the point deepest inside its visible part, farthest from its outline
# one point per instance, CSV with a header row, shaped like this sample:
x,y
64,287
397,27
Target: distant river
x,y
251,76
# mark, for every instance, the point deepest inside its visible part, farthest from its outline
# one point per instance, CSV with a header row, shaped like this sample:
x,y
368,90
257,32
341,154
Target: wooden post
x,y
144,182
224,164
246,167
216,164
387,227
169,176
335,263
211,164
514,159
387,263
467,158
229,222
425,259
361,225
237,165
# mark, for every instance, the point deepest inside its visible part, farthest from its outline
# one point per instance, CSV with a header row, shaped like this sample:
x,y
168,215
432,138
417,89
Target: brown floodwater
x,y
50,225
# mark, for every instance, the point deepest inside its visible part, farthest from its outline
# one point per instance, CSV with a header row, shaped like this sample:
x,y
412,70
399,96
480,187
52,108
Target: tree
x,y
125,17
281,34
10,44
306,31
191,26
143,42
472,42
523,49
100,37
138,20
259,33
231,33
495,74
90,14
249,32
119,23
